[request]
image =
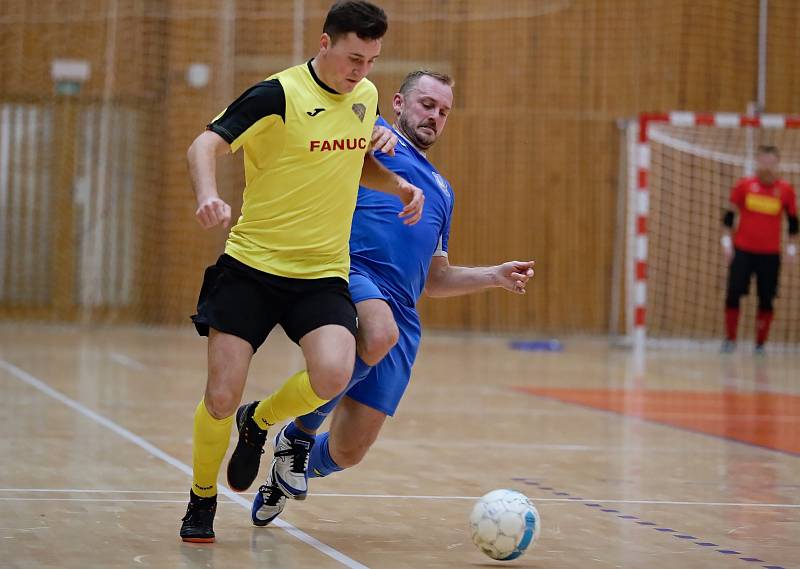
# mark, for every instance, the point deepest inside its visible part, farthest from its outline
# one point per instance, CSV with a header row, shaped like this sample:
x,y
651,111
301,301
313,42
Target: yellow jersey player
x,y
306,133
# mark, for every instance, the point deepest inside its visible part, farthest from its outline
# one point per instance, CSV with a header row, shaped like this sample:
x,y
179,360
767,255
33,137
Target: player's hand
x,y
727,247
791,252
514,275
212,212
383,140
414,200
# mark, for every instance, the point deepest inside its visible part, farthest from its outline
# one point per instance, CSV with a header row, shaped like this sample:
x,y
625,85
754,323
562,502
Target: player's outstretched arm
x,y
447,280
202,158
375,177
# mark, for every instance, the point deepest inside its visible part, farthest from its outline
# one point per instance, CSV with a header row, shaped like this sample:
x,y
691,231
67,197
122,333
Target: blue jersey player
x,y
391,265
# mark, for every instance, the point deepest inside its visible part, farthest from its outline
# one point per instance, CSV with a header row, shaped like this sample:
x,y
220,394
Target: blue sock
x,y
360,372
320,462
314,420
292,432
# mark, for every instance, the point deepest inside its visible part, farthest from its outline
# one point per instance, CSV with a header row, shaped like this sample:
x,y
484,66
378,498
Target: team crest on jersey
x,y
360,110
442,183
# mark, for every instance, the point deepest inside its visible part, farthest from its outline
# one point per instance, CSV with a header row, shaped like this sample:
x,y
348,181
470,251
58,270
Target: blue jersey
x,y
395,255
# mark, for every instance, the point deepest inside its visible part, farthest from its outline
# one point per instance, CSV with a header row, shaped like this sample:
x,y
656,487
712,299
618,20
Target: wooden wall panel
x,y
531,147
783,53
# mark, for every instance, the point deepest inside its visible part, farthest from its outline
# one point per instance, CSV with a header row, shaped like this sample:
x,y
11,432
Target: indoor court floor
x,y
690,460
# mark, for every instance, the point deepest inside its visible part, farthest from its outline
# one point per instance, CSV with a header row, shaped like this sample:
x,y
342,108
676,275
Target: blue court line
x,y
652,525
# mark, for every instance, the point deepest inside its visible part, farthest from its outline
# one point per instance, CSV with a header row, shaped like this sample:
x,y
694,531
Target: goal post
x,y
682,166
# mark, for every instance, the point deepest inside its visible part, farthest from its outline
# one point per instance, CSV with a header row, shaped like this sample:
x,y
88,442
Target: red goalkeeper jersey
x,y
760,210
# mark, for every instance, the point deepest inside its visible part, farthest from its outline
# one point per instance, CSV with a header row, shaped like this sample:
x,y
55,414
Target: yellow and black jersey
x,y
304,147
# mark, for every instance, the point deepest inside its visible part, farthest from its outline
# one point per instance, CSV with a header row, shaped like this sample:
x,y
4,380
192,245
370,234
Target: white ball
x,y
504,523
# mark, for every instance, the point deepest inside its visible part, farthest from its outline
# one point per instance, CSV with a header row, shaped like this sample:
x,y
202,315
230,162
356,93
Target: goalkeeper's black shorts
x,y
766,267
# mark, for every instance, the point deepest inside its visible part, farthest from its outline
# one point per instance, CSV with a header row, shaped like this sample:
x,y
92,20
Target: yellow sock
x,y
211,437
295,398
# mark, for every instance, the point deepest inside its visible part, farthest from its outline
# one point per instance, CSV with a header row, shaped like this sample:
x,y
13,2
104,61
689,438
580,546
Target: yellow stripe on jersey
x,y
302,174
759,203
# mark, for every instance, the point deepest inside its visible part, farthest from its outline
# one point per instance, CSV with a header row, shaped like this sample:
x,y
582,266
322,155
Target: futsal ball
x,y
504,524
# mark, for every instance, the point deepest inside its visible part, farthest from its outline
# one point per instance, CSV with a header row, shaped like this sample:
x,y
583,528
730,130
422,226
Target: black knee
x,y
765,304
732,301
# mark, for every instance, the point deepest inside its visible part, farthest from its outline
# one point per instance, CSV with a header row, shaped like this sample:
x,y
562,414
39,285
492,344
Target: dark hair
x,y
769,149
367,20
412,78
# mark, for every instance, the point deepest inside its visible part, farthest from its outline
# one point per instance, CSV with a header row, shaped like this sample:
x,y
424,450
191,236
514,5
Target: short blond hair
x,y
413,78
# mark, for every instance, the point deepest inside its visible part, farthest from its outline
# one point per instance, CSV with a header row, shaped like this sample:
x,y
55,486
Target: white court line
x,y
600,500
374,496
36,383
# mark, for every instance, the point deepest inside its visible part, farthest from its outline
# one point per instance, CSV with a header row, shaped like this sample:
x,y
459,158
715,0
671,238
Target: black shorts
x,y
245,302
766,266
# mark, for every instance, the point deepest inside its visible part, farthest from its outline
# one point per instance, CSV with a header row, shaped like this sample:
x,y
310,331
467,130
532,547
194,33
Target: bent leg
x,y
377,330
377,335
228,361
354,428
329,352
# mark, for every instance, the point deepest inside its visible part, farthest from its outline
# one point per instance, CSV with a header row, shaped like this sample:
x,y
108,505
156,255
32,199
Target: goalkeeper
x,y
756,244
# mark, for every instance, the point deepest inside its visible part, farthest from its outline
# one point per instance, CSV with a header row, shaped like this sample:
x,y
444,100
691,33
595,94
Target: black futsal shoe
x,y
198,523
246,457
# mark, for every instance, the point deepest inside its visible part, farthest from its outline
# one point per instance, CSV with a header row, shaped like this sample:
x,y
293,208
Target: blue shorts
x,y
383,388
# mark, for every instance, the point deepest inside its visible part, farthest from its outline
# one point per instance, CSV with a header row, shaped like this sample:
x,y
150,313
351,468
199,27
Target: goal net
x,y
683,167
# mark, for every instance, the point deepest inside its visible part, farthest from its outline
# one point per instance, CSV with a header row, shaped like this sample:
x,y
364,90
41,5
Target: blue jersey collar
x,y
407,141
